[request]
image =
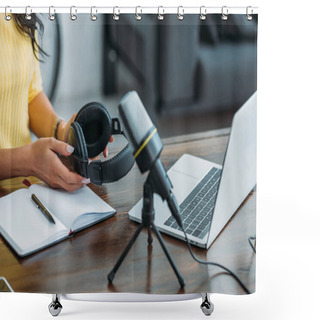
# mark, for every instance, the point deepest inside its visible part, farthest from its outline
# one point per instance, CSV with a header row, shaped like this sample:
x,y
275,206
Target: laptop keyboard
x,y
197,207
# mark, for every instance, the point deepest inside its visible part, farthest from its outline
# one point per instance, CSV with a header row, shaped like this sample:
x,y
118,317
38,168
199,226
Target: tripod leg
x,y
125,252
149,236
166,251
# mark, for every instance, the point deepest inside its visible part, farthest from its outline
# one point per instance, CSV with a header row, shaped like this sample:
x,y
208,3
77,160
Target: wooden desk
x,y
82,263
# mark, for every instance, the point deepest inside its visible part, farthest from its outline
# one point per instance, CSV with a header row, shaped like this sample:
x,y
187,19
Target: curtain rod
x,y
181,10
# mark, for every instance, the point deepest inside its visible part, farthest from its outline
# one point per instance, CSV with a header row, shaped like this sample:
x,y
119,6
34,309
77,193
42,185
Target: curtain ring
x,y
93,16
249,15
224,13
180,13
203,13
116,15
6,15
52,12
138,15
28,13
73,17
160,14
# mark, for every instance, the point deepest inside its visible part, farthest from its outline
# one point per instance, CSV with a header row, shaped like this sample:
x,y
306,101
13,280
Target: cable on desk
x,y
215,264
251,244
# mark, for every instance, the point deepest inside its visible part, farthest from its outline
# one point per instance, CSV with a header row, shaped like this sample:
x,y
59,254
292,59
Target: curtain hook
x,y
138,15
93,16
224,13
203,13
180,13
160,14
116,15
249,15
28,13
52,12
6,15
73,16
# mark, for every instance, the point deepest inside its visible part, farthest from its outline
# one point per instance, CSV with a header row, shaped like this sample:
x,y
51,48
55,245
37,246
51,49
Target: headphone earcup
x,y
77,141
96,125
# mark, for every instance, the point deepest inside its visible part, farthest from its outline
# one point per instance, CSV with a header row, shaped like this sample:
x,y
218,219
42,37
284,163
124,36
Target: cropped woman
x,y
24,107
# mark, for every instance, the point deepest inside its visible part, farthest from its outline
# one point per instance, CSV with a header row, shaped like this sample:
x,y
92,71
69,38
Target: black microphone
x,y
146,145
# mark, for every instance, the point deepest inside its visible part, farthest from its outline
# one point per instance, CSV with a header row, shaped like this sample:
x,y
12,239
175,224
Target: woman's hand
x,y
46,165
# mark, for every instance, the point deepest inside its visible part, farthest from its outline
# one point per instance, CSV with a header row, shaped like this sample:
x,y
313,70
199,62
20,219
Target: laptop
x,y
208,193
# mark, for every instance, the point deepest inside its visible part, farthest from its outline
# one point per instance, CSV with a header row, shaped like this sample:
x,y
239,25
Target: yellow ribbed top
x,y
20,82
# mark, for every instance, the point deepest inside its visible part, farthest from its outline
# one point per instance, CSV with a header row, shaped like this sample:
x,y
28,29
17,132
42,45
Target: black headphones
x,y
89,134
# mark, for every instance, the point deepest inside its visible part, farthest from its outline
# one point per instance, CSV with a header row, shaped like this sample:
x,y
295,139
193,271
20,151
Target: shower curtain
x,y
194,75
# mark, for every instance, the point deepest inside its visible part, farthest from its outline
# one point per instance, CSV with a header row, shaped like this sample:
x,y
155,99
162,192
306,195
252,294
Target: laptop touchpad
x,y
182,184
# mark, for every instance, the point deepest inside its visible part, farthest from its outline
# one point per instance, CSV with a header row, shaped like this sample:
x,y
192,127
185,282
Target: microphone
x,y
146,144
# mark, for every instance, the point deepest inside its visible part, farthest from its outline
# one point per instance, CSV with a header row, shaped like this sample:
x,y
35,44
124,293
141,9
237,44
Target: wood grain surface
x,y
82,263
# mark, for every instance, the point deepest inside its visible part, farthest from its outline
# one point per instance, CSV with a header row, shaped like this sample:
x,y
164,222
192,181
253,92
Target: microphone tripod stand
x,y
147,222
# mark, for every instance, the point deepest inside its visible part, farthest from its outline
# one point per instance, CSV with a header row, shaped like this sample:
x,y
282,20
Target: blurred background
x,y
191,75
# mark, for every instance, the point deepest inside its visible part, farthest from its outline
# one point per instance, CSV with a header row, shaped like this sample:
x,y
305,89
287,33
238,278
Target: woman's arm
x,y
40,159
43,118
14,162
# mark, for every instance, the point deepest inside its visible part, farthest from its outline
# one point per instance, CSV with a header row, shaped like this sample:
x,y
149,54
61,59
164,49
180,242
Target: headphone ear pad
x,y
96,125
77,141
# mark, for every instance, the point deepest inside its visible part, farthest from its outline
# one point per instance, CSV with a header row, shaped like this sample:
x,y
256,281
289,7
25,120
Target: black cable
x,y
251,244
215,264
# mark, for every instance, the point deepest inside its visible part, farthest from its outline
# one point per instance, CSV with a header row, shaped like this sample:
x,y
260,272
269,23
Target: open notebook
x,y
27,229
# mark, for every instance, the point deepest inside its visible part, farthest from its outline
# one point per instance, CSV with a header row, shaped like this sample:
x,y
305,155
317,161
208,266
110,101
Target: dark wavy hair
x,y
29,28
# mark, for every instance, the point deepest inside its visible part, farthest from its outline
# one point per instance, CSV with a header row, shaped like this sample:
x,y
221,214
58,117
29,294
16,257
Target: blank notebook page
x,y
25,223
68,206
